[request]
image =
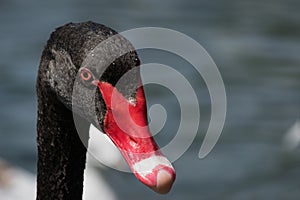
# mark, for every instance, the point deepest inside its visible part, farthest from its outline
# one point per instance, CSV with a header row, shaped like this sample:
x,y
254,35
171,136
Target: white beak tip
x,y
164,182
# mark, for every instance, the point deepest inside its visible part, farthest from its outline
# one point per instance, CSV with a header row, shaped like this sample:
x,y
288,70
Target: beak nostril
x,y
132,139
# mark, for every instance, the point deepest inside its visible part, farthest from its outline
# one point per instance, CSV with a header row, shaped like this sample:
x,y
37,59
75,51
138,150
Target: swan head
x,y
84,74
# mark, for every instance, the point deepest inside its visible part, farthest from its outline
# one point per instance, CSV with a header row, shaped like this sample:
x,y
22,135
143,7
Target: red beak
x,y
125,124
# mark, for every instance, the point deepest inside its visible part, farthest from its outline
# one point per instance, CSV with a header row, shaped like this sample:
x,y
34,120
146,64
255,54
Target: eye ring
x,y
86,75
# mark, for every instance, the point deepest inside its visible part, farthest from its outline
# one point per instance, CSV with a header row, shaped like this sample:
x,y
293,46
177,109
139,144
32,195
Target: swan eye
x,y
137,62
86,75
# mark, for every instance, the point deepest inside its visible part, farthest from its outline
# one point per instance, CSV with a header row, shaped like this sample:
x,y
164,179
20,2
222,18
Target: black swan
x,y
61,151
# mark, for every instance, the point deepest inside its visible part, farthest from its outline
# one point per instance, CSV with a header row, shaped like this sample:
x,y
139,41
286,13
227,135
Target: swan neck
x,y
61,153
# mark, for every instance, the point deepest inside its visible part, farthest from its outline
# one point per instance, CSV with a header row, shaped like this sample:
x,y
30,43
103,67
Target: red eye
x,y
85,74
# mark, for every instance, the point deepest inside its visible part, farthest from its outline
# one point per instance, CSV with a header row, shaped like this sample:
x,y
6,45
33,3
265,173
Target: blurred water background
x,y
256,46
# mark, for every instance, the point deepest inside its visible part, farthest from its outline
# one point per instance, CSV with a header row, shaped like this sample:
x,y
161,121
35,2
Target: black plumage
x,y
61,153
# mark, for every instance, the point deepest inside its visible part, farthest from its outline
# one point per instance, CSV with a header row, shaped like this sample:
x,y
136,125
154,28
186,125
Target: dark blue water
x,y
256,46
